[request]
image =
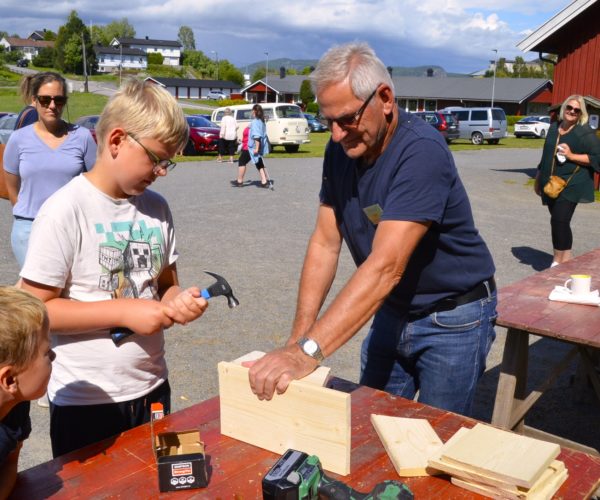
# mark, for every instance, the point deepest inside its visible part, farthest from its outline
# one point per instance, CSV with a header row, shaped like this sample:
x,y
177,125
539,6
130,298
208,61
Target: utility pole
x,y
267,77
494,78
85,73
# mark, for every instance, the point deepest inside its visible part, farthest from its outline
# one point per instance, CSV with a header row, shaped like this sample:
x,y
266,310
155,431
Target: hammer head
x,y
221,287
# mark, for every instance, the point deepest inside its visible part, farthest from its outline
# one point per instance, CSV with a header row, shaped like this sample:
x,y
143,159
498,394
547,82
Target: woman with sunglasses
x,y
572,152
42,157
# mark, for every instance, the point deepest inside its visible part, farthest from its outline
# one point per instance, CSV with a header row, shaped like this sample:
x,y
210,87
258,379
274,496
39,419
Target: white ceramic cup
x,y
579,284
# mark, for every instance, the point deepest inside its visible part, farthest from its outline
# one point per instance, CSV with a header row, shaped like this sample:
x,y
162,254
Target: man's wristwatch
x,y
311,348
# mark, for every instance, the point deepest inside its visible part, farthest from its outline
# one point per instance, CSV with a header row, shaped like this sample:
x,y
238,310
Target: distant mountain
x,y
300,64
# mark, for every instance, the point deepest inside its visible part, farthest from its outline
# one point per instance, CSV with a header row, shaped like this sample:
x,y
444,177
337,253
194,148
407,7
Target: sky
x,y
458,35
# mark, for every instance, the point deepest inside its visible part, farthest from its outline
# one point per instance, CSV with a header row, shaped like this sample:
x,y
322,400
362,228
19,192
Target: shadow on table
x,y
537,259
567,409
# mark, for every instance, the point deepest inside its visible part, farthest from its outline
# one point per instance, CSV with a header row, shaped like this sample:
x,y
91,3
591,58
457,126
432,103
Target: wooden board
x,y
313,419
510,457
409,442
544,491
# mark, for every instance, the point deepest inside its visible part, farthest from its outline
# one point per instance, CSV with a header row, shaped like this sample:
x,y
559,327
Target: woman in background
x,y
572,152
41,158
258,144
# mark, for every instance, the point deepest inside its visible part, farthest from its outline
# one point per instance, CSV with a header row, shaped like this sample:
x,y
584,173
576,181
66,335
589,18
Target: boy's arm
x,y
143,316
187,305
8,472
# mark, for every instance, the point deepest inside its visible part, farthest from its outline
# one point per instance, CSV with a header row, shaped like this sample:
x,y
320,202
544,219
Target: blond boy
x,y
102,255
25,367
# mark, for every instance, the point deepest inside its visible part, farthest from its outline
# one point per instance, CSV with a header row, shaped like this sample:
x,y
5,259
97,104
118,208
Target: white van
x,y
479,124
286,125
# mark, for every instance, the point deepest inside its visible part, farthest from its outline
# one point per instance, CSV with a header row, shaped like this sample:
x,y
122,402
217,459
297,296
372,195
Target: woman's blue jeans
x,y
19,239
442,356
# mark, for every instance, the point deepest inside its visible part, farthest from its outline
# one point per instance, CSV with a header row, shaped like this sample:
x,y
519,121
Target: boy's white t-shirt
x,y
95,248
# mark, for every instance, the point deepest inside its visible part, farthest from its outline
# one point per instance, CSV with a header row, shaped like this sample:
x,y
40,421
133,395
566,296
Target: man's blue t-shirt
x,y
414,179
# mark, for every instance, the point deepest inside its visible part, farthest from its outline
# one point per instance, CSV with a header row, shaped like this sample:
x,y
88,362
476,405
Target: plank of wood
x,y
409,442
318,377
510,457
313,419
544,492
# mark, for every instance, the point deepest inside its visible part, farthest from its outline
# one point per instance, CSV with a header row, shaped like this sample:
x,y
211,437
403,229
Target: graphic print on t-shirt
x,y
130,259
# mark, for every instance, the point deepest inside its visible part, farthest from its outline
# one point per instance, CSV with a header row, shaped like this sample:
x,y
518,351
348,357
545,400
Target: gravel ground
x,y
256,238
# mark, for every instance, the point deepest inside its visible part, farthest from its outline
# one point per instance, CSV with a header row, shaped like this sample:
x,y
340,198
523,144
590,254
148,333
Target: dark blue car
x,y
314,124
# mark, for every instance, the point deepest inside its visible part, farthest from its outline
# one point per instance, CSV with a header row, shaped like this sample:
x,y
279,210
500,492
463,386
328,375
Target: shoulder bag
x,y
556,184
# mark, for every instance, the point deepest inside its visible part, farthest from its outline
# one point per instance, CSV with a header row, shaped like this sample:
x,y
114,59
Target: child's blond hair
x,y
146,110
22,316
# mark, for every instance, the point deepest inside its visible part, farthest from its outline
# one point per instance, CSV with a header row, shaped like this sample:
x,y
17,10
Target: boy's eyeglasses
x,y
159,165
570,108
351,120
45,100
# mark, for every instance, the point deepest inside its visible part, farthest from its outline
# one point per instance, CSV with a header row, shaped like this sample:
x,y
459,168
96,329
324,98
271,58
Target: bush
x,y
312,107
45,58
512,119
155,58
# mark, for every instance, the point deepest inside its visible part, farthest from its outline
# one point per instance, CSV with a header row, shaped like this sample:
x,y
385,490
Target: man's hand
x,y
186,306
274,371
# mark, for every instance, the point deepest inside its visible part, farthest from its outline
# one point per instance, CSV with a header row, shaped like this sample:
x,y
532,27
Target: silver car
x,y
7,126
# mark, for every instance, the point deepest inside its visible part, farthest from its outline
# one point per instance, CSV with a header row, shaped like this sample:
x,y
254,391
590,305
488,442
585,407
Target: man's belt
x,y
480,291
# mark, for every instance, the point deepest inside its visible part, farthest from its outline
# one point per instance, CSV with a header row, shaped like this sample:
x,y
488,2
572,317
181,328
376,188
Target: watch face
x,y
310,347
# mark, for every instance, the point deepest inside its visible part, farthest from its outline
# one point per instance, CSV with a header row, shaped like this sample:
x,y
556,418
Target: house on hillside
x,y
38,35
110,59
30,48
188,88
574,37
169,49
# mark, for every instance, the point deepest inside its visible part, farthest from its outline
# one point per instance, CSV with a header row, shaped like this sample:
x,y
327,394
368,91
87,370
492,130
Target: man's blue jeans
x,y
441,355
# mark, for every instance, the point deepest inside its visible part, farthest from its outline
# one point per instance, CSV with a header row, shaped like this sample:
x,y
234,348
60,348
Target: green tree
x,y
68,53
3,34
199,61
119,29
306,93
186,38
229,72
520,69
49,35
45,58
155,58
259,74
307,70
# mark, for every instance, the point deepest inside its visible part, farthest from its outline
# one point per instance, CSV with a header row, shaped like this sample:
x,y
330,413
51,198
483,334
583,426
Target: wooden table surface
x,y
124,466
524,305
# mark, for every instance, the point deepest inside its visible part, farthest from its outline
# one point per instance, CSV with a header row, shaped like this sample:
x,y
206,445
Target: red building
x,y
574,36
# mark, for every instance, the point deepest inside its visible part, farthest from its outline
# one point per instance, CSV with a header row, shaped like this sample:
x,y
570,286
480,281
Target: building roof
x,y
543,39
27,42
194,83
148,41
471,89
126,51
288,85
37,35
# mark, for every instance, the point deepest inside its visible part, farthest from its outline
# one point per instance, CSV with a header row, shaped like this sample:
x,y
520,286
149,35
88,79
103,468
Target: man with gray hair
x,y
391,191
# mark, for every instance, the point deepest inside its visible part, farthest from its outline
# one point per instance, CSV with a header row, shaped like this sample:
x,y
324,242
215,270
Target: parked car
x,y
445,123
23,63
204,136
89,122
314,124
532,126
479,124
217,95
7,127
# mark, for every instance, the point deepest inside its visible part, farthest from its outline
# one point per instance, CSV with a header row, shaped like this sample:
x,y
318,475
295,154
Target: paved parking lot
x,y
256,238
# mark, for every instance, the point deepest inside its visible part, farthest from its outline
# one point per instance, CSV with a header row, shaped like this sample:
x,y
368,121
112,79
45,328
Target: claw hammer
x,y
220,287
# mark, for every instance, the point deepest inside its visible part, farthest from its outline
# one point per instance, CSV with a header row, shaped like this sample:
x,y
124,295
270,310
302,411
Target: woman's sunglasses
x,y
570,108
45,100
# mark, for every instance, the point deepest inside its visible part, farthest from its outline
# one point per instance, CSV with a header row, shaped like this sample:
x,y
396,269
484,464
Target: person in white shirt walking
x,y
227,136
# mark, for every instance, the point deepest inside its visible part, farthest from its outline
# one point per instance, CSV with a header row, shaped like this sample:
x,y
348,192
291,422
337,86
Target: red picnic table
x,y
524,309
125,467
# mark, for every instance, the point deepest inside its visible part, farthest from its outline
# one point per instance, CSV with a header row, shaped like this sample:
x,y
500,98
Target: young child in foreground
x,y
102,255
25,366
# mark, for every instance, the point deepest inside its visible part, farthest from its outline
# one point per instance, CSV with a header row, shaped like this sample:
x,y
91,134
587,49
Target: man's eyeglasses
x,y
45,100
160,166
570,108
351,120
